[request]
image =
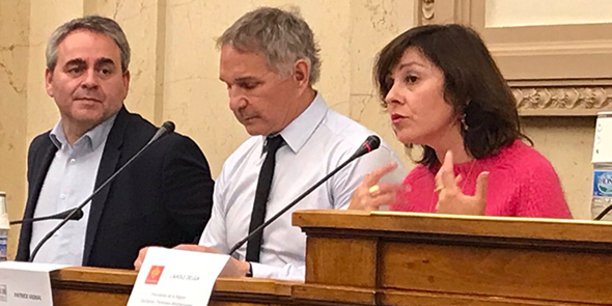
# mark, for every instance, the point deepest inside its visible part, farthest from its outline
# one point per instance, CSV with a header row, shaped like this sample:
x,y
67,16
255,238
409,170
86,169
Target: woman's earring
x,y
463,123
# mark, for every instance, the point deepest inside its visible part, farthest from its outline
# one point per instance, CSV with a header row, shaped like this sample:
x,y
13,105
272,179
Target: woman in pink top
x,y
443,92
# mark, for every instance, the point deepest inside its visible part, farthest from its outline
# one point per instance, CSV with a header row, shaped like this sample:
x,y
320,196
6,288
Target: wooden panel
x,y
397,297
78,297
94,286
89,275
433,259
109,287
326,262
504,272
251,291
218,303
397,224
77,286
332,295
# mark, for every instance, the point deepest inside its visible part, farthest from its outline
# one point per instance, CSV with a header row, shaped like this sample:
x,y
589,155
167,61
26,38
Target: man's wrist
x,y
249,272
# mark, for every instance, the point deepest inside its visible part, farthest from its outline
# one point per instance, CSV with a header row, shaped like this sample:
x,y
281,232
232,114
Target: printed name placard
x,y
176,277
26,284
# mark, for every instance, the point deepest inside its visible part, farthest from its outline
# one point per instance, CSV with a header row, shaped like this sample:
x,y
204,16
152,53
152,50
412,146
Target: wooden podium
x,y
429,259
380,258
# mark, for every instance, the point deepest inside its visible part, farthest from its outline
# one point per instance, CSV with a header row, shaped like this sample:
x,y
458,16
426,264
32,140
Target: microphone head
x,y
370,144
169,126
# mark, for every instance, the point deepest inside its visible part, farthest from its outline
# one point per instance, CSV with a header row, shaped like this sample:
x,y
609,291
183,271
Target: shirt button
x,y
62,196
72,160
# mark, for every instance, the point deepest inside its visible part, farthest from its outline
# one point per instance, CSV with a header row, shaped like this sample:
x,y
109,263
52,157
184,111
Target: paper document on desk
x,y
176,277
26,284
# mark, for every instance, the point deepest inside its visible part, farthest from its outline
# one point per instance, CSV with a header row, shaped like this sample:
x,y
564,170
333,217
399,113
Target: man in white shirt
x,y
269,62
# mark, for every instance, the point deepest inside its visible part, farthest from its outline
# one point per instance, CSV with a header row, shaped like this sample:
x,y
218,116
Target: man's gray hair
x,y
282,36
98,24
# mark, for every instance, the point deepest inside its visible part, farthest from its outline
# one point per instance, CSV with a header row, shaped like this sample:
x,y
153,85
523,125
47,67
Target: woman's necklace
x,y
467,177
464,180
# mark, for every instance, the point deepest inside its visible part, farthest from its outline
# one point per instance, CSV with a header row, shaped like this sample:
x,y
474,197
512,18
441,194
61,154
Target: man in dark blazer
x,y
163,198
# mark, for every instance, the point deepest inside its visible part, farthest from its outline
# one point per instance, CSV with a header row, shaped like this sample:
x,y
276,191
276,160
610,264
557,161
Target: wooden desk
x,y
358,258
425,259
80,286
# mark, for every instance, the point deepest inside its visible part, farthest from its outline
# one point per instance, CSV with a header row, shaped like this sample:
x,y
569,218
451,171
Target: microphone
x,y
59,216
166,128
603,213
370,144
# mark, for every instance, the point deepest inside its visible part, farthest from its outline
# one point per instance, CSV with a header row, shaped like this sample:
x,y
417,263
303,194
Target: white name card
x,y
176,277
26,284
602,145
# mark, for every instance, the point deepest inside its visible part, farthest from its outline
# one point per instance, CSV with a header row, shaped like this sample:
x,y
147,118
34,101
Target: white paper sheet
x,y
176,277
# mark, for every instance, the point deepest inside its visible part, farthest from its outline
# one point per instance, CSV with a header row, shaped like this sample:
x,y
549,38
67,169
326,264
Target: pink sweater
x,y
522,183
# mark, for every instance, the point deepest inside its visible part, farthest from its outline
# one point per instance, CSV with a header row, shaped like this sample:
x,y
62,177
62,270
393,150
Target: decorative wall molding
x,y
442,12
562,98
530,57
427,11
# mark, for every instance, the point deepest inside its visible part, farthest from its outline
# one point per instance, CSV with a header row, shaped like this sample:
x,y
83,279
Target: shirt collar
x,y
95,136
297,133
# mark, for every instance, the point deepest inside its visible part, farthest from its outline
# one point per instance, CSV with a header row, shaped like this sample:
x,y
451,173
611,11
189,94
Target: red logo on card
x,y
154,275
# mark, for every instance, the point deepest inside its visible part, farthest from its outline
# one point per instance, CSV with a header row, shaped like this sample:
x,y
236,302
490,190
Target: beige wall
x,y
567,142
14,32
175,76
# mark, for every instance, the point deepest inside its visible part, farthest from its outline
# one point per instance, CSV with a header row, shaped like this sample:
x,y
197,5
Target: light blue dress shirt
x,y
69,181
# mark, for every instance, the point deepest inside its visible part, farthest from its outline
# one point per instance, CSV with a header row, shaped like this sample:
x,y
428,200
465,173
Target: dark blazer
x,y
163,198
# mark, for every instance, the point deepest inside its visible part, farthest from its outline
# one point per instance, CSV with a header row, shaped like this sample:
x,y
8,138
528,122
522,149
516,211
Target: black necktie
x,y
261,197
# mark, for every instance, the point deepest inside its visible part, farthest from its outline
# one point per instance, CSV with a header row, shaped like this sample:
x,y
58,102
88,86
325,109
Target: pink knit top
x,y
522,183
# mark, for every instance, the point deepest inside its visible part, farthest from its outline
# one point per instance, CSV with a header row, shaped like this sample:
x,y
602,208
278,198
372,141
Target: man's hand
x,y
233,267
141,256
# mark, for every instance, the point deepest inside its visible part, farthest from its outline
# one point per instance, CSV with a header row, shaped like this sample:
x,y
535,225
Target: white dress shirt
x,y
317,141
69,180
